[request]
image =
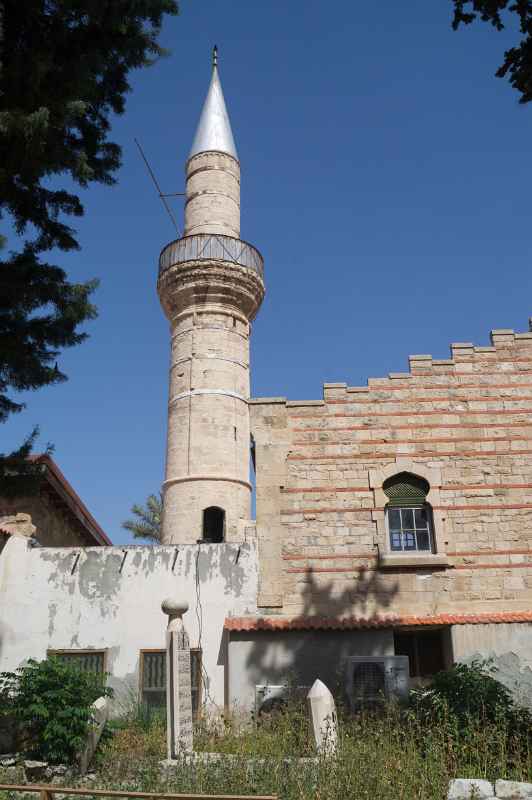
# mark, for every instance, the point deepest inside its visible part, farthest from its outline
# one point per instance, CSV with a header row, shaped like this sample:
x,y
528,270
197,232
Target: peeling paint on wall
x,y
111,599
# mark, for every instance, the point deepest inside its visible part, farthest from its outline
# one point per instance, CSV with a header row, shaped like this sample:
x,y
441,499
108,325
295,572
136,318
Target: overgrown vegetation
x,y
463,725
51,701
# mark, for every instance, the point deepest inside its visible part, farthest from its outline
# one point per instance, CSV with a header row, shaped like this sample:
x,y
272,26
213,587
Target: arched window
x,y
213,524
408,515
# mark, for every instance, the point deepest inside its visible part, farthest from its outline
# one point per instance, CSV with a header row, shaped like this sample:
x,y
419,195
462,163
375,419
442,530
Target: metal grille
x,y
153,671
208,247
85,662
368,682
406,490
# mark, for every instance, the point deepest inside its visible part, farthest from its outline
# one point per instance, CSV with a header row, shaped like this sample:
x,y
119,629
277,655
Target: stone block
x,y
469,789
99,716
35,770
513,790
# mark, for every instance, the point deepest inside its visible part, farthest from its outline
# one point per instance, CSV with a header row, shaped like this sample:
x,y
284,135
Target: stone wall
x,y
466,789
464,423
54,525
109,598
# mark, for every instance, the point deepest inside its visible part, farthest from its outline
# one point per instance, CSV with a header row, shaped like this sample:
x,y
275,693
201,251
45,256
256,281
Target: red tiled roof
x,y
356,623
61,486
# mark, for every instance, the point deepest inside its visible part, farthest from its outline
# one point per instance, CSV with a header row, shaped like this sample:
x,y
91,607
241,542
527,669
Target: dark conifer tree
x,y
65,66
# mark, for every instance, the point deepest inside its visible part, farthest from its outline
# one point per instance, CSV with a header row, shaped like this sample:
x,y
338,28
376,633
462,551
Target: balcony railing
x,y
209,247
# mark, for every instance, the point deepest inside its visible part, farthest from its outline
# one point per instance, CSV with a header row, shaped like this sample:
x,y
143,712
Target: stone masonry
x,y
210,295
464,424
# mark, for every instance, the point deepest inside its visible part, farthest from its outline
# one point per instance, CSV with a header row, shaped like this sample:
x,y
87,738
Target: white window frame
x,y
429,528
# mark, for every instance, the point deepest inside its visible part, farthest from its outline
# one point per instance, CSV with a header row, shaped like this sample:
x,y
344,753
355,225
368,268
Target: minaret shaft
x,y
210,286
212,203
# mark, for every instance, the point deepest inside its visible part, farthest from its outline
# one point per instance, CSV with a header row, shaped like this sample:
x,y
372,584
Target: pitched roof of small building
x,y
56,483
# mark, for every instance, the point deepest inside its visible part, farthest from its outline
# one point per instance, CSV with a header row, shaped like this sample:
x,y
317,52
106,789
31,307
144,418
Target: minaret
x,y
211,287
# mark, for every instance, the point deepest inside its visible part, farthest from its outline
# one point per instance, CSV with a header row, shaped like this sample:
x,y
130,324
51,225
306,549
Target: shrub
x,y
52,702
469,691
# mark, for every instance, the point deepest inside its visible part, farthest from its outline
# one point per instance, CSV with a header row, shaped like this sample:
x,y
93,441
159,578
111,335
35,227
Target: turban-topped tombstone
x,y
178,683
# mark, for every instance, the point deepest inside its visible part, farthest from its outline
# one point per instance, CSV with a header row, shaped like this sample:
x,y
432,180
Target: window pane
x,y
395,540
394,518
423,540
420,515
407,515
410,540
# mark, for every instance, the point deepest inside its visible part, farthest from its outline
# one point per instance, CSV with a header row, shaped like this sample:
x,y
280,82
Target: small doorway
x,y
213,525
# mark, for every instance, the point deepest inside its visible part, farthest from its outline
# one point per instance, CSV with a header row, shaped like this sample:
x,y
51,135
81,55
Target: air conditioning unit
x,y
371,679
270,697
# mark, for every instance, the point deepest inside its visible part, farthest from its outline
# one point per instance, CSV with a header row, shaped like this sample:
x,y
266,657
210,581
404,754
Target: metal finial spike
x,y
214,57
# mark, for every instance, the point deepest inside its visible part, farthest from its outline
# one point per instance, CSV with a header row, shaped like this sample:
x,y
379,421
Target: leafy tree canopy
x,y
147,524
517,64
65,68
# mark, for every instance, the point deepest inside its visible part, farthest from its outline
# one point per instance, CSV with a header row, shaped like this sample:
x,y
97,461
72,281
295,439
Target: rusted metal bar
x,y
47,793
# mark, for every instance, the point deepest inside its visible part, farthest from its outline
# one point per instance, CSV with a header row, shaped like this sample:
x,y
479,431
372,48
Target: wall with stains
x,y
110,598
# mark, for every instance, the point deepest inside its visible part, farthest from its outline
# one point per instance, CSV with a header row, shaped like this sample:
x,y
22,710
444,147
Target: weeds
x,y
390,754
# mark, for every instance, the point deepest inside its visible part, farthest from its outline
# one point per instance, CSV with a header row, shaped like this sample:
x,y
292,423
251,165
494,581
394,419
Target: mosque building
x,y
391,519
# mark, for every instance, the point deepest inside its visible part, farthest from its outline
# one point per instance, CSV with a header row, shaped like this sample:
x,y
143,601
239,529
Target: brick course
x,y
469,418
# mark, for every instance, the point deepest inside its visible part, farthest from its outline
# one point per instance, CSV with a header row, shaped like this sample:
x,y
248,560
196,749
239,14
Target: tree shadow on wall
x,y
320,647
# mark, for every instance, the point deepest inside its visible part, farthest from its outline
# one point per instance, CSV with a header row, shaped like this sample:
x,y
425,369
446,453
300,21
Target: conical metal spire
x,y
214,129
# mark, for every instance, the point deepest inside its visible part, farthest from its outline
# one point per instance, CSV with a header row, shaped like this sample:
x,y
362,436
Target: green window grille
x,y
406,490
153,679
88,661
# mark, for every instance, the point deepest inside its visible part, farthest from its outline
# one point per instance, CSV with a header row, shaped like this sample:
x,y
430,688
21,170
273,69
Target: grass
x,y
391,755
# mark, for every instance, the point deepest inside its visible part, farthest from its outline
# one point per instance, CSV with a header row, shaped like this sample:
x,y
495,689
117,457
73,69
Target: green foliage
x,y
52,702
64,72
149,519
517,64
390,755
468,691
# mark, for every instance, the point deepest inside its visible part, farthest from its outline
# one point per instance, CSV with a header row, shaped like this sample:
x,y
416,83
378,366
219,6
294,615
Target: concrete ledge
x,y
295,403
257,401
398,560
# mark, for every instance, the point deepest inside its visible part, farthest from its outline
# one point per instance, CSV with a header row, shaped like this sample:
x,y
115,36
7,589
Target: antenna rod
x,y
161,195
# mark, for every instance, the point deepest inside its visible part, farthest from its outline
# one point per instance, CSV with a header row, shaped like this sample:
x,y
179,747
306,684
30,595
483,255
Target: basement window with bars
x,y
408,515
83,660
153,679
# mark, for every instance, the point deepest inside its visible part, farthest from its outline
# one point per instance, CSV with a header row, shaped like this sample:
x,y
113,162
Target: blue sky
x,y
385,179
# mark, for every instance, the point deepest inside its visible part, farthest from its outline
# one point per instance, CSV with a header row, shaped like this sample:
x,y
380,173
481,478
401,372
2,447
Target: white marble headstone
x,y
323,719
178,681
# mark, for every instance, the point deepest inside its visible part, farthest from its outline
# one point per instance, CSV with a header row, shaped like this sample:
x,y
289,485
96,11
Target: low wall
x,y
466,789
109,598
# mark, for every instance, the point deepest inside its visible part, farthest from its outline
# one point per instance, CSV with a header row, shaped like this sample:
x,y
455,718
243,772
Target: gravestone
x,y
178,684
323,719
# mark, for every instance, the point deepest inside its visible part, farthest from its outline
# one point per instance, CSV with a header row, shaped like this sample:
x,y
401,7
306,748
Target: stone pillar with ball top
x,y
179,734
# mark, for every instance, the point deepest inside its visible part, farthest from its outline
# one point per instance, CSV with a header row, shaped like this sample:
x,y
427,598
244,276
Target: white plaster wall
x,y
110,597
508,645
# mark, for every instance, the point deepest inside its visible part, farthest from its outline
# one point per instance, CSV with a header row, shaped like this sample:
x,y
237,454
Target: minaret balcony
x,y
211,247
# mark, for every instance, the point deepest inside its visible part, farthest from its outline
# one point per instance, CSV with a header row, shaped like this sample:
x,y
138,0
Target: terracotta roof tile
x,y
355,623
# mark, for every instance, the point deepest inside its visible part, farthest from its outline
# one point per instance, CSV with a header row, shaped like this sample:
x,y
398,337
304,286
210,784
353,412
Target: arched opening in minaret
x,y
213,524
